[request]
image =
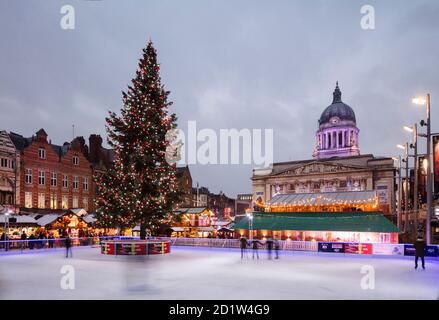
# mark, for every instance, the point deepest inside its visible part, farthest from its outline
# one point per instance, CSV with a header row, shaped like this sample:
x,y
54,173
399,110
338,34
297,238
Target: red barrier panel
x,y
135,247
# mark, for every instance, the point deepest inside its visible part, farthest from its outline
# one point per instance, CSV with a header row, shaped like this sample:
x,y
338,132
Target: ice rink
x,y
199,273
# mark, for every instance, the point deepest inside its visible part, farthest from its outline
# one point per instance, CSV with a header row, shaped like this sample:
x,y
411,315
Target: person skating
x,y
23,239
419,251
269,243
68,243
255,244
243,244
31,241
276,248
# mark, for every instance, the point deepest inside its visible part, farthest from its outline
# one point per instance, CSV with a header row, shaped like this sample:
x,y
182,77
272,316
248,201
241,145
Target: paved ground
x,y
198,273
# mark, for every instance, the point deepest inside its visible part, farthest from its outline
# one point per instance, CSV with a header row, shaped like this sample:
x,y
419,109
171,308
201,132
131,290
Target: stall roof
x,y
47,218
197,210
320,221
89,218
315,199
20,219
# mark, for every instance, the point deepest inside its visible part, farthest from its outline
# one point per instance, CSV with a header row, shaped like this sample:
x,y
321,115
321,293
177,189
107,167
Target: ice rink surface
x,y
204,273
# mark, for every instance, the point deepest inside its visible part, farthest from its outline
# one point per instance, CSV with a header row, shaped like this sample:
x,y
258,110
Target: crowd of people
x,y
255,244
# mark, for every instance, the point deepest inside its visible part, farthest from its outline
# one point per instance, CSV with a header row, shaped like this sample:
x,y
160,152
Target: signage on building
x,y
382,194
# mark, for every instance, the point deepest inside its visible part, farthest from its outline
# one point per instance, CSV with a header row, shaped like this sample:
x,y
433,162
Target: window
x,y
28,176
53,179
65,181
28,199
41,178
75,202
4,162
65,201
41,200
75,160
42,153
85,184
53,201
85,203
75,183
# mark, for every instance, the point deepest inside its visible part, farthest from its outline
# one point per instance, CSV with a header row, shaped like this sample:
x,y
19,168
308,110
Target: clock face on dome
x,y
335,120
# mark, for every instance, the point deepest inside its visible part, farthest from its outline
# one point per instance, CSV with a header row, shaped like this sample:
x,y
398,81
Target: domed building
x,y
350,195
337,135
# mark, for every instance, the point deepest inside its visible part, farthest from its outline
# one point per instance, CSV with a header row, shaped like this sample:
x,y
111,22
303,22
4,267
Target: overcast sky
x,y
228,64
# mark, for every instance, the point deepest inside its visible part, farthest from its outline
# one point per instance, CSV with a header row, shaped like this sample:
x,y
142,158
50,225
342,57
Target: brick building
x,y
185,183
52,176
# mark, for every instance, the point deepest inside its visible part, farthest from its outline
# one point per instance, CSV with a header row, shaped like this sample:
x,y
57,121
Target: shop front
x,y
365,227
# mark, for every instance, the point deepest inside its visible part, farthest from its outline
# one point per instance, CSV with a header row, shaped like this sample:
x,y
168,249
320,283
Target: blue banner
x,y
430,251
331,247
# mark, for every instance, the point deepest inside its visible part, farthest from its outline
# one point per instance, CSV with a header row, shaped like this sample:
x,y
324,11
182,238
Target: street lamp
x,y
399,217
414,129
7,213
406,190
250,225
425,101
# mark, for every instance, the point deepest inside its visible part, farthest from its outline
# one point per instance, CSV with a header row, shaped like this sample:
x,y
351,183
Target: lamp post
x,y
426,102
399,213
6,229
406,189
250,226
414,129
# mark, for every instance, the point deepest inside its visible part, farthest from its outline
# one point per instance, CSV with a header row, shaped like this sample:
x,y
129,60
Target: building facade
x,y
51,176
185,184
8,170
336,166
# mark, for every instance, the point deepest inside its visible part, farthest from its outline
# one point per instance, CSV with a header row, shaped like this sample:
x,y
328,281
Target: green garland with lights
x,y
142,187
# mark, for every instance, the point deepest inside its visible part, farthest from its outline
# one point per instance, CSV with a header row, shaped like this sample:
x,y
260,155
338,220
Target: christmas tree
x,y
142,186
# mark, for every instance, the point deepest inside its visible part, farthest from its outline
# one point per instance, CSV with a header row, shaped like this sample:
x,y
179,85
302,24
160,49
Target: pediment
x,y
318,167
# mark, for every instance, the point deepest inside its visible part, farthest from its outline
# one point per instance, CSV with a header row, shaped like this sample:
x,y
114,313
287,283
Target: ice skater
x,y
419,251
243,244
255,244
276,248
68,243
269,243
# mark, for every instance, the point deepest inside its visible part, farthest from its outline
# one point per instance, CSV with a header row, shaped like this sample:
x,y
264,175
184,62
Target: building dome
x,y
337,109
337,135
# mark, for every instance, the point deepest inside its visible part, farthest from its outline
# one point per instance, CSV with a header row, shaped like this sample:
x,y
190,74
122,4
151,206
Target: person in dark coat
x,y
269,244
51,241
419,251
31,241
255,244
276,248
243,244
68,244
23,239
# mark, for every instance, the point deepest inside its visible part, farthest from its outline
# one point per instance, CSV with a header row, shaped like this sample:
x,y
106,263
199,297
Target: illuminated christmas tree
x,y
142,187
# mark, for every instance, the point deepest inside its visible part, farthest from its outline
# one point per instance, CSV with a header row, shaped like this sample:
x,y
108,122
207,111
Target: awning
x,y
315,199
177,229
320,221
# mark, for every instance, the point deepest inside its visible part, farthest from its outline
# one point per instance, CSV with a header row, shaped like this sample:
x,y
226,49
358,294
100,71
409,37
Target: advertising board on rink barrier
x,y
388,249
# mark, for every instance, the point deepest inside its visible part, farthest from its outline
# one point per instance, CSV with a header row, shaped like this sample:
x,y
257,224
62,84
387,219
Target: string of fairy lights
x,y
141,186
